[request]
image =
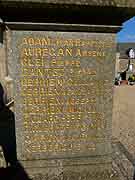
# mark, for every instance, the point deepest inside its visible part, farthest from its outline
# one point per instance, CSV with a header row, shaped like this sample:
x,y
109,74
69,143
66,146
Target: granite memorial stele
x,y
63,70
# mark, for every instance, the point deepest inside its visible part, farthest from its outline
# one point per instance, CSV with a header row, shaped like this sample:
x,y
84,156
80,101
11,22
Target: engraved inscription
x,y
62,91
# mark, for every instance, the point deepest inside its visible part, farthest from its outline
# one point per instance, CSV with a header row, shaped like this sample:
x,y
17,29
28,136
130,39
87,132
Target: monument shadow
x,y
13,169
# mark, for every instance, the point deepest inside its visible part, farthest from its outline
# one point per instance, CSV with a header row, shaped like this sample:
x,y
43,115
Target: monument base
x,y
71,169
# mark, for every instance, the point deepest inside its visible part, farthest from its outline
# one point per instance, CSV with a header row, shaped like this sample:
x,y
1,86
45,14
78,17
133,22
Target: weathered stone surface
x,y
115,3
72,12
74,169
122,162
63,93
74,143
71,138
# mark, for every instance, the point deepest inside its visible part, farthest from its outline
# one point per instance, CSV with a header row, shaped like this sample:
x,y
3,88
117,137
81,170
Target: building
x,y
124,64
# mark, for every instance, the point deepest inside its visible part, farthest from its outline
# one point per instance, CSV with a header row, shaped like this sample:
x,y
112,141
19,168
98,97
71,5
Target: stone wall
x,y
124,116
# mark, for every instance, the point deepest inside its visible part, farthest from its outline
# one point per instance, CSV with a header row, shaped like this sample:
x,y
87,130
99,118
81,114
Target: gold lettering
x,y
45,52
31,41
69,52
38,52
45,41
26,52
60,52
78,52
52,52
60,94
37,42
24,41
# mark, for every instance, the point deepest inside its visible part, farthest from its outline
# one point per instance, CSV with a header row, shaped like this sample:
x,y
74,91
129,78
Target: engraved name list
x,y
61,92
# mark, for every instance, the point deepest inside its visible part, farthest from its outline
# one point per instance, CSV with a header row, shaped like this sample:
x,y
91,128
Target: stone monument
x,y
63,100
63,76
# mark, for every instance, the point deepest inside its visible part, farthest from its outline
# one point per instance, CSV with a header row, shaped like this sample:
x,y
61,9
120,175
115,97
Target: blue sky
x,y
127,34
